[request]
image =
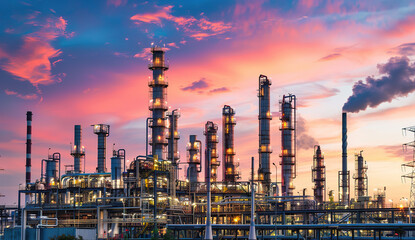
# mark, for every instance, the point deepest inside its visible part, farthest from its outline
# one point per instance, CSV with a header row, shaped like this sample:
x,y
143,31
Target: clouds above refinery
x,y
85,65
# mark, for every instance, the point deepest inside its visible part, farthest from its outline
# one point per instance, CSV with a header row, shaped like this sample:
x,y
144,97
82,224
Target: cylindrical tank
x,y
116,171
51,172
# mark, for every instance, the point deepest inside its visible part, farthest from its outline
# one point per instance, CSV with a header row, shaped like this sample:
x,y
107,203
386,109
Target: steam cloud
x,y
304,141
397,82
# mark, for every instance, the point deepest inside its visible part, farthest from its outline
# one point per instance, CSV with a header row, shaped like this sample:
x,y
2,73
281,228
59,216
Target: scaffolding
x,y
410,165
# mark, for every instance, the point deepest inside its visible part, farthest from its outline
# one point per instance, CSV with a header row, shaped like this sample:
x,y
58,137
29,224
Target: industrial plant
x,y
145,199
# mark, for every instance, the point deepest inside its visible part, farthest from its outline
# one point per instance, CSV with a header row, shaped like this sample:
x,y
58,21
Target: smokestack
x,y
28,147
229,167
78,151
344,173
103,131
264,118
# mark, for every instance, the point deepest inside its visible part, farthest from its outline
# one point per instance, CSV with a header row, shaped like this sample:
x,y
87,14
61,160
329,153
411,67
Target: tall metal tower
x,y
158,103
194,157
103,131
264,117
288,144
78,151
344,174
410,165
211,130
360,177
319,176
230,173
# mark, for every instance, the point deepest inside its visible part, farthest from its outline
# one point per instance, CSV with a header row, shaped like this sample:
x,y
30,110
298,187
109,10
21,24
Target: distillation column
x,y
360,177
103,131
211,130
288,144
158,103
230,173
193,159
344,174
264,117
173,152
319,176
78,151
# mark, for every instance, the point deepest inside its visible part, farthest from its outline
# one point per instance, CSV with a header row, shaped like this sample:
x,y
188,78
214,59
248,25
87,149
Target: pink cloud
x,y
198,29
32,62
25,97
116,3
146,53
172,45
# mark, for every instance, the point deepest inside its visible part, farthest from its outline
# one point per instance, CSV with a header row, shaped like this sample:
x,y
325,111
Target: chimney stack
x,y
28,146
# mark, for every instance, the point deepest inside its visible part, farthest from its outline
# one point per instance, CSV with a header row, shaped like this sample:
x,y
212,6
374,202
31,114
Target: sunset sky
x,y
85,62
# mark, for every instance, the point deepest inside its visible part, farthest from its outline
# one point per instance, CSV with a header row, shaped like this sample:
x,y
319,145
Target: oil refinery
x,y
145,199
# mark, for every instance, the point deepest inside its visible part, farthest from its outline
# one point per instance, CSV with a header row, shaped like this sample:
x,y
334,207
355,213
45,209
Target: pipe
x,y
252,233
208,229
149,118
200,156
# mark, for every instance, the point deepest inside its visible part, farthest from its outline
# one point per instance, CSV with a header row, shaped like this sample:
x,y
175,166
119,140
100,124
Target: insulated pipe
x,y
252,233
28,146
208,229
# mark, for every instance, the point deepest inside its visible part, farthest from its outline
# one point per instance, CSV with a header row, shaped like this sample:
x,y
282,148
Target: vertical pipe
x,y
252,233
208,228
264,118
